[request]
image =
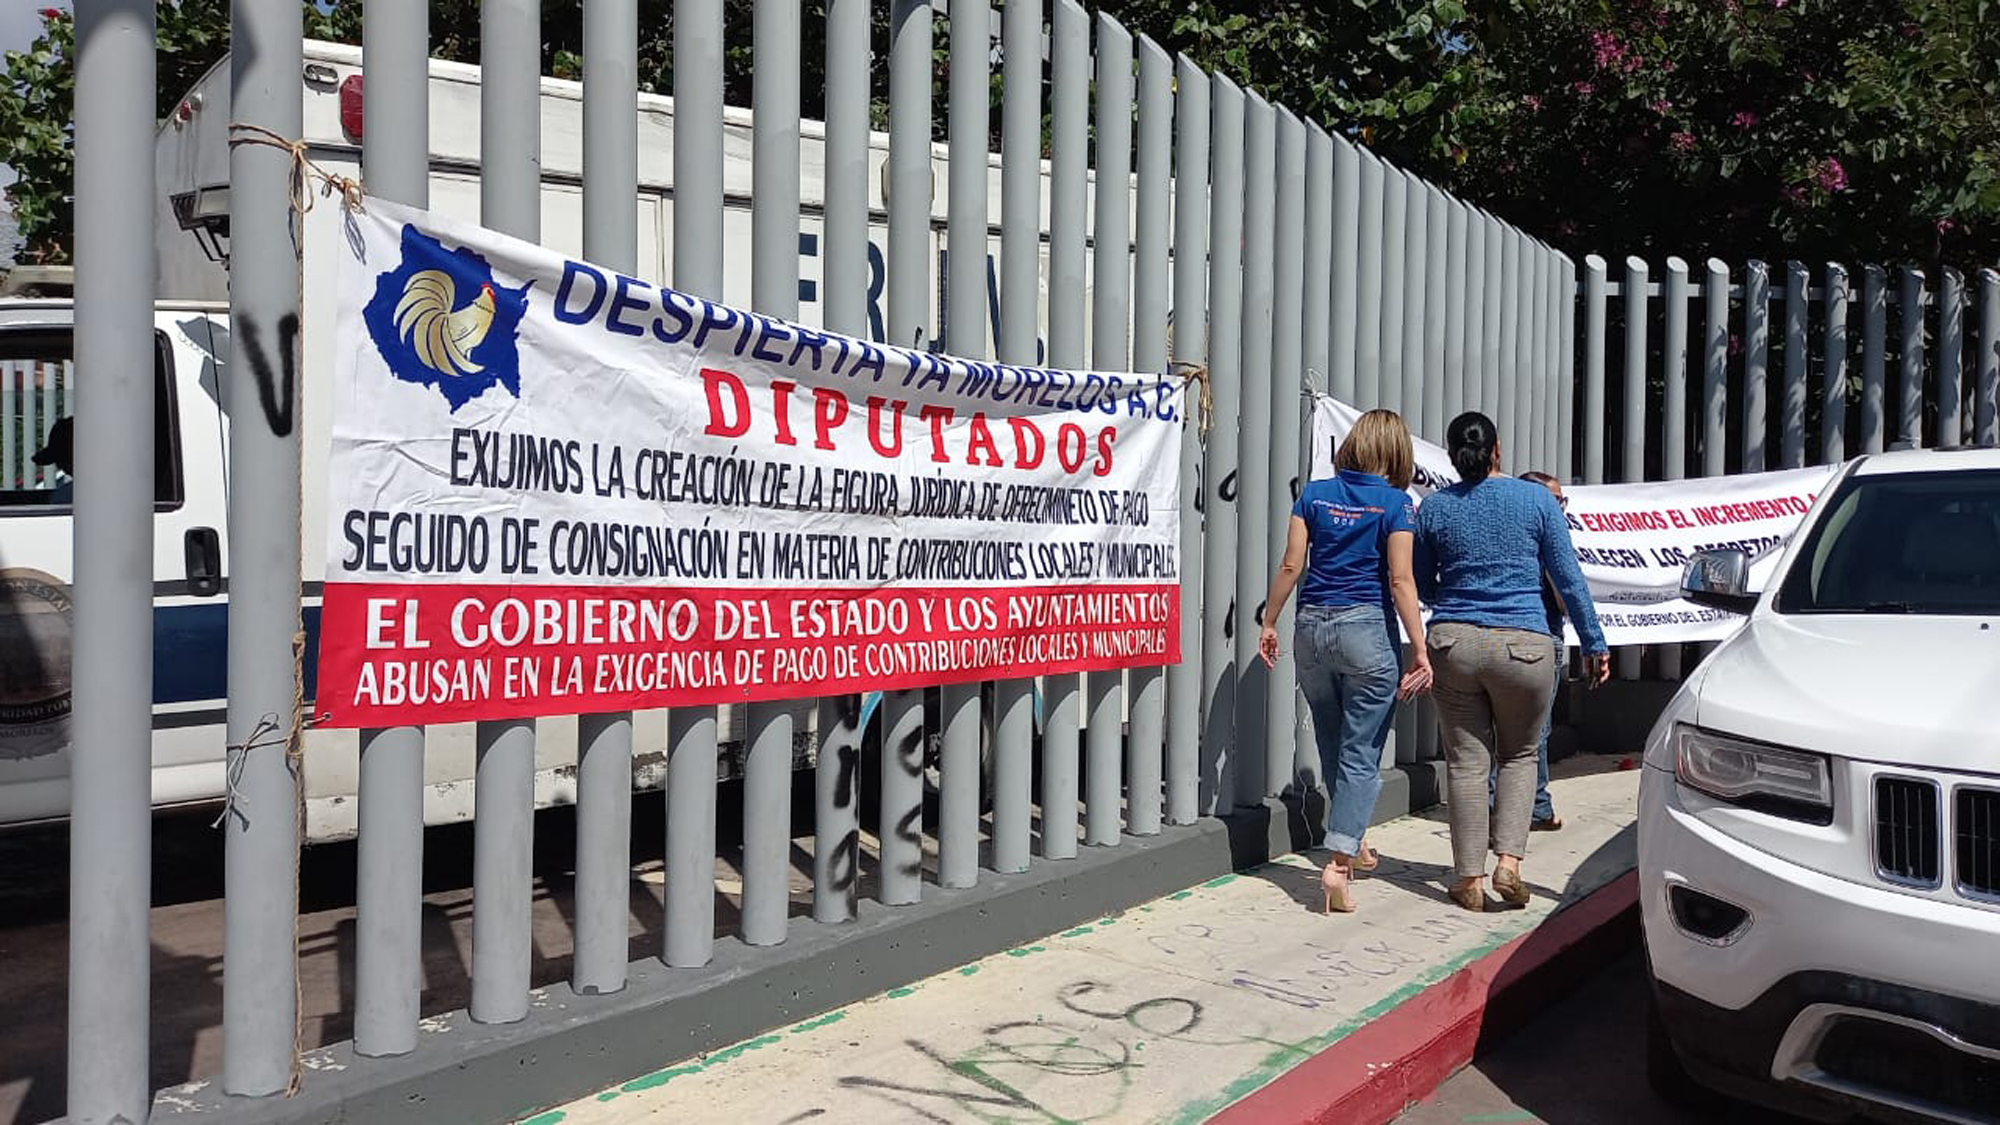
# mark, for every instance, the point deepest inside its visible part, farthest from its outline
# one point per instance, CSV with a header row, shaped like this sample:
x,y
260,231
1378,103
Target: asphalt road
x,y
1582,1062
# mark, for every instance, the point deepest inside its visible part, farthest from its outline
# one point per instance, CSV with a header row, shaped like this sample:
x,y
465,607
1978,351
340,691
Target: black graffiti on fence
x,y
279,399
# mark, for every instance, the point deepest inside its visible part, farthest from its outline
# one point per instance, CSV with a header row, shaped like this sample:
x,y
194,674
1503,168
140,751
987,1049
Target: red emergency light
x,y
350,106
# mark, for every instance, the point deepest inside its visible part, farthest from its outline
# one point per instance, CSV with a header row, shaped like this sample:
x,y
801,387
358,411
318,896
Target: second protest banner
x,y
1634,540
555,489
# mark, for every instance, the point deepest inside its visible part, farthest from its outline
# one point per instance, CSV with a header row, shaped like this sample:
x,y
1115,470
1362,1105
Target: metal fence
x,y
1284,257
1810,367
34,393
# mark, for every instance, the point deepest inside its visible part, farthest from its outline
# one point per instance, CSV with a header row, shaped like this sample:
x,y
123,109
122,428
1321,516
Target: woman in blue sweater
x,y
1482,547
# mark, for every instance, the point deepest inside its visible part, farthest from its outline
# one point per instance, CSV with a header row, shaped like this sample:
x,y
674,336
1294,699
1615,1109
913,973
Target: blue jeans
x,y
1348,670
1545,809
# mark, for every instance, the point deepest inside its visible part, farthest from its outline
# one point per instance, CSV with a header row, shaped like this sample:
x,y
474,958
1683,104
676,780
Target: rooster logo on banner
x,y
440,320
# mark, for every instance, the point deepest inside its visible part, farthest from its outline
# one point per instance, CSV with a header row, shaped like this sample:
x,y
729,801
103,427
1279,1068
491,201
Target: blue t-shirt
x,y
1351,517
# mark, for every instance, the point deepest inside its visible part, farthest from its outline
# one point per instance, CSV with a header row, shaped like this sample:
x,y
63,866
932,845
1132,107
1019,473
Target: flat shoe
x,y
1472,898
1552,824
1509,887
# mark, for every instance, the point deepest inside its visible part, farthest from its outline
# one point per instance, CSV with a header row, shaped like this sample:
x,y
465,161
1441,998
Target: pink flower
x,y
1745,119
1606,49
1682,142
1532,102
1633,62
1661,106
1945,226
1830,176
51,13
1794,194
1779,3
1583,89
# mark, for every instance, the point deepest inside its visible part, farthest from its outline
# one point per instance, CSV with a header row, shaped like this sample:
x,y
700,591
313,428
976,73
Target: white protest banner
x,y
555,489
1633,540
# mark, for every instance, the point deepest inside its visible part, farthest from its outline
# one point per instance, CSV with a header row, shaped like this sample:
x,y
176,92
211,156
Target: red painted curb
x,y
1380,1070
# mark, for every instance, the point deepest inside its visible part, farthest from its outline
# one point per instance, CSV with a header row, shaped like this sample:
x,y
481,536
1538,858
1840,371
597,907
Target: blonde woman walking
x,y
1351,543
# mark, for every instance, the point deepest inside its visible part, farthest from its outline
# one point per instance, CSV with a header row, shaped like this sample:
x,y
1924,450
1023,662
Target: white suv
x,y
1819,818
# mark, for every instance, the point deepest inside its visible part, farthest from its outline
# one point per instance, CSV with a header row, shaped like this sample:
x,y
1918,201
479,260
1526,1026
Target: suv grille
x,y
1909,1065
1977,839
1906,831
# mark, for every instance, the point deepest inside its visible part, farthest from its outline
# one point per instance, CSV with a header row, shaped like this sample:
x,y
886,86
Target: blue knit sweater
x,y
1481,551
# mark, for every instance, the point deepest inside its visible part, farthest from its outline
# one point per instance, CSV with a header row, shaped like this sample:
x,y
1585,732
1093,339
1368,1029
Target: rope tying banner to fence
x,y
305,173
1192,373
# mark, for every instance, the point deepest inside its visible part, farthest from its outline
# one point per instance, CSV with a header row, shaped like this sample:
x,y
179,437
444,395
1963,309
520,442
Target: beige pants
x,y
1493,688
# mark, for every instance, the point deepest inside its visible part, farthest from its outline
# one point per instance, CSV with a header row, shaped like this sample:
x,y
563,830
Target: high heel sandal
x,y
1366,862
1508,885
1333,883
1471,896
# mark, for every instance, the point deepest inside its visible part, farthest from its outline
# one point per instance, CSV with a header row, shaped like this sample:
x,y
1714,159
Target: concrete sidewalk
x,y
1185,1006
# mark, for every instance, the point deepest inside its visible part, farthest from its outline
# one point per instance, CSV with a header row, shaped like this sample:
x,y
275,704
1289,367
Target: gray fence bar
x,y
1594,310
1833,389
837,779
1632,457
1460,288
503,825
1674,355
1408,389
1910,373
1533,397
1281,700
1370,283
1715,369
1492,320
264,823
1874,348
1394,237
900,872
1756,363
389,812
1221,620
1986,406
774,290
1673,407
1478,307
1792,406
1433,375
1069,125
1255,740
909,306
691,733
1567,371
1188,690
265,725
111,814
1018,340
1143,793
1110,313
965,334
1316,289
604,742
1511,318
1348,166
1951,358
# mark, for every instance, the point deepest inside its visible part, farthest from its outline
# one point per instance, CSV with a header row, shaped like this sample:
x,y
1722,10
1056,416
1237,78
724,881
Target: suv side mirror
x,y
1719,579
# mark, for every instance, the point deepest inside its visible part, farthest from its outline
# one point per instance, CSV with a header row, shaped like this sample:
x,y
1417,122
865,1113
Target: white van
x,y
190,530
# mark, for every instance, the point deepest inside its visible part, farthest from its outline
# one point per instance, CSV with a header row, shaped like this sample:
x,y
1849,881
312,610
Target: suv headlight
x,y
1789,783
